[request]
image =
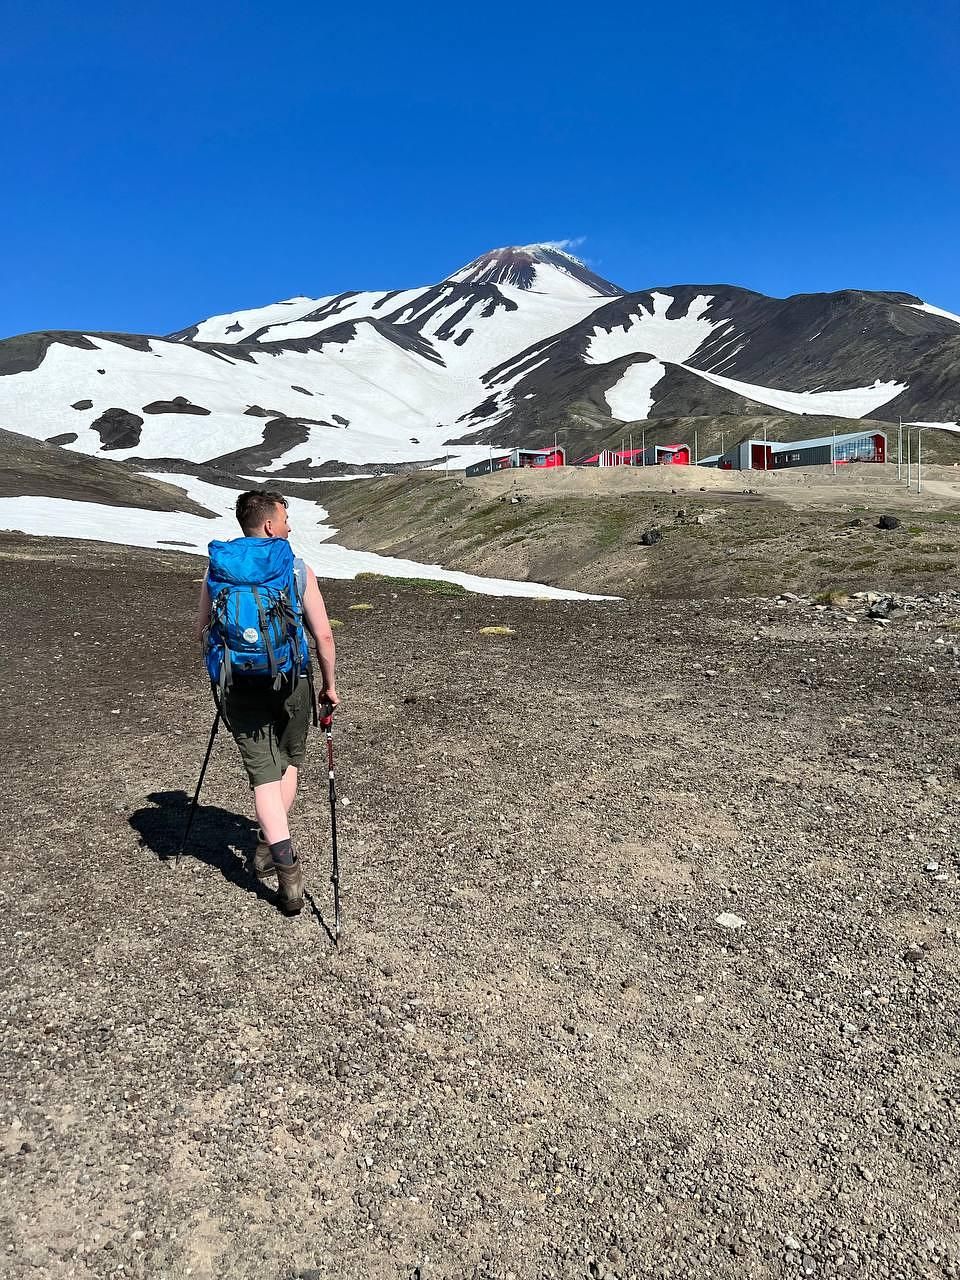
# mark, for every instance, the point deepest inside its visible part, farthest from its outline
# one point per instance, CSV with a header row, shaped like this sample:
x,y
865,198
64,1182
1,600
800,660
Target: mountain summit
x,y
541,267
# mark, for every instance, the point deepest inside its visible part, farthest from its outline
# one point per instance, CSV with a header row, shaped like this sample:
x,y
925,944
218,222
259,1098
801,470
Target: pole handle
x,y
326,715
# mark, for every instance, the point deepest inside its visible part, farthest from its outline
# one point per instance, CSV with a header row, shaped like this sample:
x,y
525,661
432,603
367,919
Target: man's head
x,y
262,513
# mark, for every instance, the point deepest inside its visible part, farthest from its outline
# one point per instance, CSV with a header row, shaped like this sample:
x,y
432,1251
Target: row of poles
x,y
901,426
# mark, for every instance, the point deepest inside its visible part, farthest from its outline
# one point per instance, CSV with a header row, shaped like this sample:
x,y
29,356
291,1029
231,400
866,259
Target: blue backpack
x,y
256,613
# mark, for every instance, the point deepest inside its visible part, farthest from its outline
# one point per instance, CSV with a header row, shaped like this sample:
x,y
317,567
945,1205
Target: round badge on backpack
x,y
251,635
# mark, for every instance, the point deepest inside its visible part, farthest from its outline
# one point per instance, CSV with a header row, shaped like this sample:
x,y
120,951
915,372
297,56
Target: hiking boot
x,y
290,888
262,862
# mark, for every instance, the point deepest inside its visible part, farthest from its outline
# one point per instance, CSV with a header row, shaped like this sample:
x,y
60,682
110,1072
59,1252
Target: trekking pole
x,y
196,794
326,724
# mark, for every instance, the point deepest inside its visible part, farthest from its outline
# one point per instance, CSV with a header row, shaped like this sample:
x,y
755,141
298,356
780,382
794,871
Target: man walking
x,y
268,712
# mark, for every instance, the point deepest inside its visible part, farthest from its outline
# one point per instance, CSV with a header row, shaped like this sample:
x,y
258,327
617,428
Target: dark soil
x,y
536,1052
34,468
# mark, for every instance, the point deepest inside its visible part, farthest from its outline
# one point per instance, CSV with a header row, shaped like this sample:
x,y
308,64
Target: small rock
x,y
727,920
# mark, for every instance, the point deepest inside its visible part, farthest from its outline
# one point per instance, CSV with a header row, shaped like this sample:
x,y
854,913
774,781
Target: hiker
x,y
255,604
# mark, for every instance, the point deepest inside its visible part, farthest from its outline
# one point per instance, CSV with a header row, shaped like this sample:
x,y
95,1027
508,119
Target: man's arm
x,y
318,624
203,611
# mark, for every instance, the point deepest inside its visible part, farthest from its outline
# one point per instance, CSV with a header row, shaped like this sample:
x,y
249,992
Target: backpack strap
x,y
268,643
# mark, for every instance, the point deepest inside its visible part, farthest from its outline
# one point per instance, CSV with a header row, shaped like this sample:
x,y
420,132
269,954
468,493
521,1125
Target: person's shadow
x,y
217,837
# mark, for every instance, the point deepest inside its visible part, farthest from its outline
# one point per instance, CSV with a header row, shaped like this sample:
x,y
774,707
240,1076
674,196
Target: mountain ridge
x,y
505,350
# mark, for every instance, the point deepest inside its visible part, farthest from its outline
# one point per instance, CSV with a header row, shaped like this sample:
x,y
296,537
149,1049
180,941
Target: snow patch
x,y
652,333
631,397
853,402
933,311
215,329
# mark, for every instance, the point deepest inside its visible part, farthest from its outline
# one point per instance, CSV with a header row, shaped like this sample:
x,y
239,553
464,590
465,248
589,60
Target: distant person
x,y
256,603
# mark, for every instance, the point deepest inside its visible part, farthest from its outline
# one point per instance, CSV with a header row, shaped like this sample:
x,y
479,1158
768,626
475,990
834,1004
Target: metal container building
x,y
518,458
774,455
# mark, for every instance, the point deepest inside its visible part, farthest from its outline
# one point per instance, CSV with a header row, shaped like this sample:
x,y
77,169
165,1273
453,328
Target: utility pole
x,y
643,447
833,450
908,455
696,448
899,447
764,446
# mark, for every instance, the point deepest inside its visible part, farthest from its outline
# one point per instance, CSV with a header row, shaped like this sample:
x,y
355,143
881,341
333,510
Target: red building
x,y
654,455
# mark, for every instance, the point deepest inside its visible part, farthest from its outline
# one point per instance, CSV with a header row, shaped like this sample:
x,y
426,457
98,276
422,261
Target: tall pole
x,y
900,448
764,446
696,448
643,447
908,455
919,433
833,450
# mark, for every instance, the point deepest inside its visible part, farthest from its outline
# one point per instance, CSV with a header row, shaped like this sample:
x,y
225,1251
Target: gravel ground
x,y
536,1053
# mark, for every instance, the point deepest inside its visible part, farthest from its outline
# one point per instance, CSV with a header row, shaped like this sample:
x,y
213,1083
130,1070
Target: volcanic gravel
x,y
650,955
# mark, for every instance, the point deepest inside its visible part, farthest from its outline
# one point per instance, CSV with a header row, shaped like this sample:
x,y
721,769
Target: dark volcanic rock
x,y
888,522
179,404
118,429
279,435
82,404
24,353
67,437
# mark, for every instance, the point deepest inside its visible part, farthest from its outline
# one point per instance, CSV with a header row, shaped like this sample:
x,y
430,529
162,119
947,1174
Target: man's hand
x,y
330,697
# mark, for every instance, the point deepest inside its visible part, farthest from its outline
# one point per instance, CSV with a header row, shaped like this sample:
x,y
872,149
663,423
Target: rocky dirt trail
x,y
650,965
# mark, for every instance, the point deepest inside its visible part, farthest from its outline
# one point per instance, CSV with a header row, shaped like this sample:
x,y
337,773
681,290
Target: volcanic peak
x,y
529,266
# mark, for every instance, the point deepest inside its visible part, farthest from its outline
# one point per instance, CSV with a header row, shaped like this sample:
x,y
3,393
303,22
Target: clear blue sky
x,y
161,163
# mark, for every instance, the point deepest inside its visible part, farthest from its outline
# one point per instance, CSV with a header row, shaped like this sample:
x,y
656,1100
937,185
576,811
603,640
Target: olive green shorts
x,y
270,727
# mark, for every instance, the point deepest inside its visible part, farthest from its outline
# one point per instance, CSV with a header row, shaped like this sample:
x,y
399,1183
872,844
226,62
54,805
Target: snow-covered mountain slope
x,y
354,379
520,343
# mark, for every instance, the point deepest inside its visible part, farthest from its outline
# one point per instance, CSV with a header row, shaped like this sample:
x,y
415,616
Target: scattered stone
x,y
888,522
728,920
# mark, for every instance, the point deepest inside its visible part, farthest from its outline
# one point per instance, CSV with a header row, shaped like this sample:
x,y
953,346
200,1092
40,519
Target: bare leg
x,y
288,786
271,810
